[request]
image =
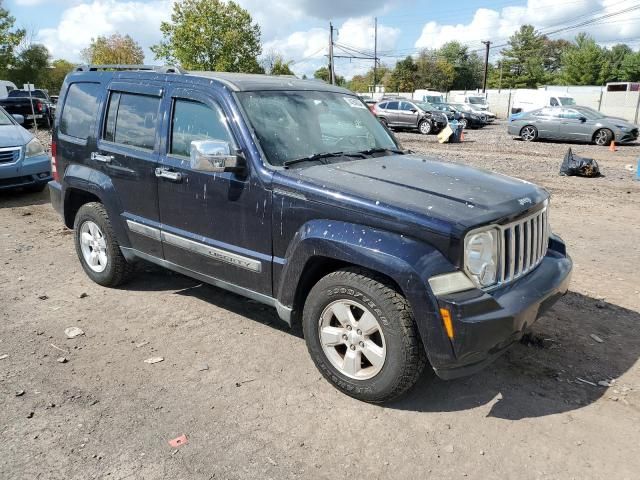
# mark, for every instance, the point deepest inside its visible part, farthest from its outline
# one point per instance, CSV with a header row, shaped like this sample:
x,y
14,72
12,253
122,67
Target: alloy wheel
x,y
528,134
352,339
93,246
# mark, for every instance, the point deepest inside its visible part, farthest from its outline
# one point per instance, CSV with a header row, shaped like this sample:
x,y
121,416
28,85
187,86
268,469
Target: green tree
x,y
403,78
274,64
30,66
210,35
553,51
523,61
10,38
361,83
468,67
582,63
55,75
323,74
114,49
434,71
613,60
630,68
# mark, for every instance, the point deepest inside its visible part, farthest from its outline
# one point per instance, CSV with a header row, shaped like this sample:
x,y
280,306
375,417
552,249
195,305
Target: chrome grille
x,y
9,155
523,245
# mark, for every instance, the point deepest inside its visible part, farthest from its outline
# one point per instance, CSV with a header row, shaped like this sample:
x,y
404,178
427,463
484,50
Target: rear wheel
x,y
529,133
425,127
603,137
361,335
384,122
97,247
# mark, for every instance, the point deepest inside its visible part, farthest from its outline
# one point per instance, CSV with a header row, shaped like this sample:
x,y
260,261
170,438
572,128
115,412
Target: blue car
x,y
23,160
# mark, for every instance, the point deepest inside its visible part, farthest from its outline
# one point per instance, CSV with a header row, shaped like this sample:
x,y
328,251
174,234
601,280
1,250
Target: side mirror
x,y
18,118
583,119
214,156
414,110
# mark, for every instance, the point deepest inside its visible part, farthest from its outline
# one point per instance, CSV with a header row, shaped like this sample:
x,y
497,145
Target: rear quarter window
x,y
80,109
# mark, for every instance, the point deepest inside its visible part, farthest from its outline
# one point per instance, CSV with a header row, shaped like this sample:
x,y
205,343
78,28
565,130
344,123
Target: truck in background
x,y
5,87
428,95
526,100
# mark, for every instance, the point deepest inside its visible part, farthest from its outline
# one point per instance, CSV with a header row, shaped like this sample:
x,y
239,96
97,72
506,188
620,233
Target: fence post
x,y
600,100
509,104
637,107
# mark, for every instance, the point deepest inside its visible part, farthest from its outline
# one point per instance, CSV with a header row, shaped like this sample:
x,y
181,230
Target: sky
x,y
299,29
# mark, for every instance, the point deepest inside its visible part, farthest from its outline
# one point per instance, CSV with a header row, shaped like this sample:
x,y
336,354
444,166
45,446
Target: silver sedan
x,y
573,123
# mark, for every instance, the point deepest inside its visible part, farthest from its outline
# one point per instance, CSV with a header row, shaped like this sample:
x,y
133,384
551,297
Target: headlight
x,y
34,147
622,127
481,256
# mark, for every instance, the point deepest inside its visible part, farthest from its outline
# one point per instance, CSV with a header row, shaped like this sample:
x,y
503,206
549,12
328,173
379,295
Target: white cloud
x,y
80,23
308,49
498,26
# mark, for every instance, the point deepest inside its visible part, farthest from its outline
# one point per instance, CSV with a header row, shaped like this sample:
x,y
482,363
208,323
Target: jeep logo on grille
x,y
524,201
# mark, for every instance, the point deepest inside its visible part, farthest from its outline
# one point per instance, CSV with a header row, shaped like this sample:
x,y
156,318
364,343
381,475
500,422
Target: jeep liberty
x,y
290,192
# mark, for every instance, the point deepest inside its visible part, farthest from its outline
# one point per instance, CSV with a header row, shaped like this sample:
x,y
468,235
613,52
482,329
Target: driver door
x,y
407,115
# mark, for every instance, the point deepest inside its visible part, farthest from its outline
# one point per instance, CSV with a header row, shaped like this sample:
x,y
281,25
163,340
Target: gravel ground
x,y
244,391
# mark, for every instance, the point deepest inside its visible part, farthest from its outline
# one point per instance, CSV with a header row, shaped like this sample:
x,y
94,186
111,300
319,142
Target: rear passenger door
x,y
392,113
217,224
128,152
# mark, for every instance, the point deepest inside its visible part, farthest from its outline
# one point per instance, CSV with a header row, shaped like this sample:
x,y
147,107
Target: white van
x,y
526,100
5,87
428,95
475,100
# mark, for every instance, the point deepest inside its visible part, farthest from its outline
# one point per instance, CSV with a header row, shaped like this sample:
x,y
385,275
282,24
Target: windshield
x,y
425,106
291,125
477,100
564,101
591,114
462,107
25,93
433,98
4,118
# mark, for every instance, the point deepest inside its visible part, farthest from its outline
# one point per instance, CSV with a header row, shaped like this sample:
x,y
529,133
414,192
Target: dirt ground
x,y
243,389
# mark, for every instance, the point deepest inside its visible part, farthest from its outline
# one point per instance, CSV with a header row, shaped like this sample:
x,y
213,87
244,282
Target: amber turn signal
x,y
446,320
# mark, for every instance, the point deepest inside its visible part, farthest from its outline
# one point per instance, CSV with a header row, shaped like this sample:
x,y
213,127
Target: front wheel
x,y
361,335
97,247
463,122
603,137
425,127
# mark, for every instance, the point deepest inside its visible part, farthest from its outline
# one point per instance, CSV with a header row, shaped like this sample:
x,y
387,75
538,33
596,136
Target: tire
x,y
425,127
112,268
603,137
529,133
397,354
464,123
384,122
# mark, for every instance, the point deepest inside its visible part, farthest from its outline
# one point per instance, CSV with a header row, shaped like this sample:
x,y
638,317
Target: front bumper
x,y
26,172
626,136
486,323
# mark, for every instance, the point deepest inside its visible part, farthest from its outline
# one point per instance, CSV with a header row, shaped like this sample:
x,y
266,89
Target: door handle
x,y
168,174
101,158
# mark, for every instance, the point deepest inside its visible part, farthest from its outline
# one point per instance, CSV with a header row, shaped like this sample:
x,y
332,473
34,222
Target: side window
x,y
382,105
567,113
79,110
196,121
132,119
406,106
392,106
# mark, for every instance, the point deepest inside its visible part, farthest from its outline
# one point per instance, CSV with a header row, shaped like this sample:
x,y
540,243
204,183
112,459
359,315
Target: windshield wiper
x,y
371,151
311,158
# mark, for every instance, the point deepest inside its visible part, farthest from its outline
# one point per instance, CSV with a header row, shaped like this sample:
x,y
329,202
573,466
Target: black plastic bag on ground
x,y
573,165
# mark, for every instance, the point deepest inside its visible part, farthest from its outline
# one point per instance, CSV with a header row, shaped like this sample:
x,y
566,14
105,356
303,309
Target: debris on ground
x,y
142,344
272,461
574,165
43,297
62,360
3,356
31,414
586,381
84,295
154,360
596,338
202,367
73,332
19,393
179,441
448,449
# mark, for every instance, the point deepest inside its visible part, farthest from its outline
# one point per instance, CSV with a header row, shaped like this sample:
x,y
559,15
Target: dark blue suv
x,y
291,192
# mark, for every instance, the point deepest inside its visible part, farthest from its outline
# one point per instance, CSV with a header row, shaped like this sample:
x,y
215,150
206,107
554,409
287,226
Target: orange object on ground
x,y
462,136
612,146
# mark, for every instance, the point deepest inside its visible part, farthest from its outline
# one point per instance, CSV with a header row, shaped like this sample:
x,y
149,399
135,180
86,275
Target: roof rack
x,y
150,68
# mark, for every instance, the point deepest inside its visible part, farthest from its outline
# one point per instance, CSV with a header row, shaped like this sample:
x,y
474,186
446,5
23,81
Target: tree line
x,y
222,36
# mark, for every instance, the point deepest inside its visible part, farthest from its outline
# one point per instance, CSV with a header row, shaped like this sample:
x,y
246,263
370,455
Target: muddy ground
x,y
244,391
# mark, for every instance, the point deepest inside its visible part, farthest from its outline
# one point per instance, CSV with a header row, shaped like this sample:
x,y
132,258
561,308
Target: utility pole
x,y
332,75
375,53
486,65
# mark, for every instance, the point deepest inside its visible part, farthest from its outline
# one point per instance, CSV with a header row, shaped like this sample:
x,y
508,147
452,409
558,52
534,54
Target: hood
x,y
416,189
13,136
620,121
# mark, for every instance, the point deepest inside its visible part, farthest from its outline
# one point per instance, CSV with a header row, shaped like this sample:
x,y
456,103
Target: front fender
x,y
86,179
408,262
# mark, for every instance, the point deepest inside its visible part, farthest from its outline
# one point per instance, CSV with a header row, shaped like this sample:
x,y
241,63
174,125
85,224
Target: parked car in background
x,y
386,264
428,95
575,123
467,116
5,87
407,114
23,160
528,99
34,106
476,100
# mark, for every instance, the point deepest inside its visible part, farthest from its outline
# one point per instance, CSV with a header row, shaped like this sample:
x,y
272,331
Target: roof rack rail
x,y
150,68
